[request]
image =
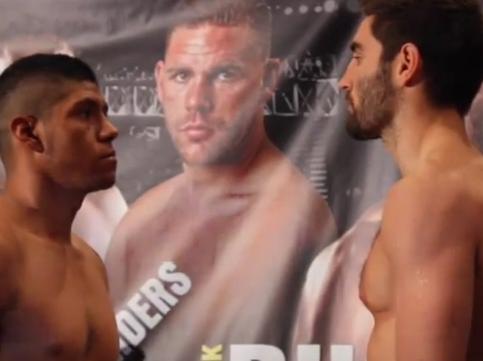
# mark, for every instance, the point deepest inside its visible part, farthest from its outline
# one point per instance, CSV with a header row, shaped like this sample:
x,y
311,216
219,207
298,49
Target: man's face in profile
x,y
367,82
77,139
211,85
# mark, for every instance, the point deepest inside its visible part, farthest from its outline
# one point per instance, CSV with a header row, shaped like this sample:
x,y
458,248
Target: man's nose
x,y
200,97
344,82
108,131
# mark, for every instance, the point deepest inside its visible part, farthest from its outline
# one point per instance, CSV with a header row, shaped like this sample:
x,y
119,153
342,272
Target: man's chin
x,y
101,184
199,157
356,132
212,155
206,161
198,162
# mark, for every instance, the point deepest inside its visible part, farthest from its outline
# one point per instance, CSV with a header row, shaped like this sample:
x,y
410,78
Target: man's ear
x,y
25,130
159,74
271,76
409,66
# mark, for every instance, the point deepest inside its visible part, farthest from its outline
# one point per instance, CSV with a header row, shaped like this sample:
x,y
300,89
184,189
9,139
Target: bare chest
x,y
62,312
376,289
191,236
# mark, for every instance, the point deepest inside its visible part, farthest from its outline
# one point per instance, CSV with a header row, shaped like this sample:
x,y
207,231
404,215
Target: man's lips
x,y
197,133
110,154
109,157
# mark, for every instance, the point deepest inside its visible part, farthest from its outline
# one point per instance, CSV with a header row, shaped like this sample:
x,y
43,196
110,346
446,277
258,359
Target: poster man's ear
x,y
159,74
271,76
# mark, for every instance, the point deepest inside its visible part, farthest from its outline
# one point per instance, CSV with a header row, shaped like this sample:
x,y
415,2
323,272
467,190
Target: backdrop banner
x,y
243,211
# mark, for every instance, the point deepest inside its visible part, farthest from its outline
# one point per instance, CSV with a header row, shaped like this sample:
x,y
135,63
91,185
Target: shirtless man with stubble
x,y
241,222
416,66
56,147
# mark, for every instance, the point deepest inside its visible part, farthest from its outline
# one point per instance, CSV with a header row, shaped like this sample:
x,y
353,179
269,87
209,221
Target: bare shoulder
x,y
303,192
423,215
295,185
145,211
158,192
297,199
456,190
149,205
89,256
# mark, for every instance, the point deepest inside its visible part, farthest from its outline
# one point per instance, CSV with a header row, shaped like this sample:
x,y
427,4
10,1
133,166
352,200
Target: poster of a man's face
x,y
239,197
213,85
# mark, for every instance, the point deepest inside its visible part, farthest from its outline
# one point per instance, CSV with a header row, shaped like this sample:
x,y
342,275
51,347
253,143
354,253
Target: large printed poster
x,y
232,192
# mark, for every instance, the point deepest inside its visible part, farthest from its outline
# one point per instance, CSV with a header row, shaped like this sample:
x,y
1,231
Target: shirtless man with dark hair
x,y
101,211
55,142
416,66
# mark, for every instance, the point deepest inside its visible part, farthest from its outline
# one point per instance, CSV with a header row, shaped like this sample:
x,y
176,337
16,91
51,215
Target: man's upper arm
x,y
7,275
432,254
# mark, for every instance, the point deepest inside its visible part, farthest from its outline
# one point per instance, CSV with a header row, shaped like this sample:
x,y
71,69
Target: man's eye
x,y
86,113
227,75
356,58
180,77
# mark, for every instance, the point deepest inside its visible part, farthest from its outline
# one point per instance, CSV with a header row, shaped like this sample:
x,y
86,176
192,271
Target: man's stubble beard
x,y
236,139
377,105
230,149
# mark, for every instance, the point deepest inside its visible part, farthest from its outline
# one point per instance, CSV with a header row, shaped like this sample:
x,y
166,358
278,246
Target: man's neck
x,y
422,134
40,207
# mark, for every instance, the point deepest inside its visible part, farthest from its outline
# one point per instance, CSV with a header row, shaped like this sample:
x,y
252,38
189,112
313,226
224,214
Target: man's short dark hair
x,y
51,68
31,85
449,36
254,13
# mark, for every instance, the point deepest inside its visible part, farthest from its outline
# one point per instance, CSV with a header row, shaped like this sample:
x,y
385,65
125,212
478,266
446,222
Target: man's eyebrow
x,y
176,69
88,101
355,46
228,66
